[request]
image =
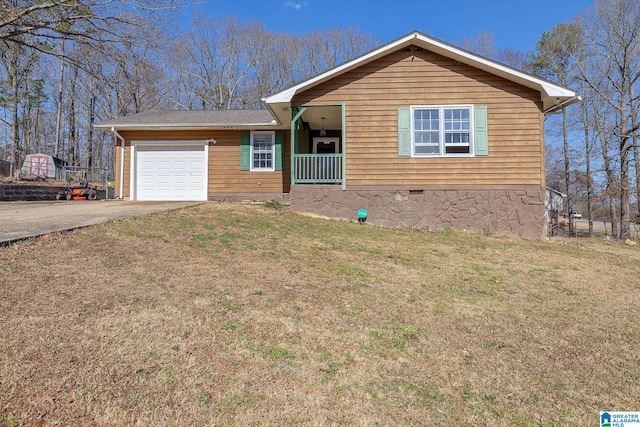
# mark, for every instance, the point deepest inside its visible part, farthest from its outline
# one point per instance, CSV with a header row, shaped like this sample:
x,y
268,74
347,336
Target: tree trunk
x,y
587,154
625,214
91,119
584,110
611,184
74,149
567,172
14,114
26,128
625,148
37,147
636,154
56,150
636,159
613,212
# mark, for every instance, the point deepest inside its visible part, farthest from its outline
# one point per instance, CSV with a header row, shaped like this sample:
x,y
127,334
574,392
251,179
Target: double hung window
x,y
440,130
262,151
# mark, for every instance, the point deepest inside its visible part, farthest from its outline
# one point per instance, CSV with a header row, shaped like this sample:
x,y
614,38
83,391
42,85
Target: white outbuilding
x,y
42,166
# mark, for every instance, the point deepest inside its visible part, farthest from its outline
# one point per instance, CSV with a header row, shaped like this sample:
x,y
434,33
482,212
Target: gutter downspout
x,y
115,132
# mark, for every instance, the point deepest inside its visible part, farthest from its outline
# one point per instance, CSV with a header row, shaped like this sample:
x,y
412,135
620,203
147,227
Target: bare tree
x,y
18,65
586,112
184,80
224,64
325,49
222,55
39,25
611,191
484,43
59,99
612,28
32,107
554,60
38,29
275,70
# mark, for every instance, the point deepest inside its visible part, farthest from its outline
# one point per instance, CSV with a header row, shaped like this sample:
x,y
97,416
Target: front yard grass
x,y
231,315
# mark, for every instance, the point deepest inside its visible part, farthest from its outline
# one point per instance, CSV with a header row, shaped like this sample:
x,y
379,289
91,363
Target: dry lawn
x,y
228,315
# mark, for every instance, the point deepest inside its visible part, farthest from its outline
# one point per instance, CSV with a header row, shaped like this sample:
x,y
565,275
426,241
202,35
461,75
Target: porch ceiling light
x,y
323,132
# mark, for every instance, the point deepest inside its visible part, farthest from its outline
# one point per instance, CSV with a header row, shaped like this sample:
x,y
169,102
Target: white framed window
x,y
442,130
263,151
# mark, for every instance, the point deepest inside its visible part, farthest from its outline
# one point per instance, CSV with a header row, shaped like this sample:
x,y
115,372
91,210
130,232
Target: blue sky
x,y
515,23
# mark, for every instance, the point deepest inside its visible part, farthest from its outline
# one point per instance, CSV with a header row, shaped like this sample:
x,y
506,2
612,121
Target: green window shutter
x,y
404,132
245,151
279,150
480,136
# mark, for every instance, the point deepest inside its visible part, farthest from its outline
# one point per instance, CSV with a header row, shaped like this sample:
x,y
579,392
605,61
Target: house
x,y
554,203
555,200
418,132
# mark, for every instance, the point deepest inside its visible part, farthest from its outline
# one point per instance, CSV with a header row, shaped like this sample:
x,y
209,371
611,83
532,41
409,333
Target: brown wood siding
x,y
117,150
127,170
225,175
373,93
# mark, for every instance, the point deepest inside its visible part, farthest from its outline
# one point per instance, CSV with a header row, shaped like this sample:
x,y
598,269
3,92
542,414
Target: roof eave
x,y
187,126
559,103
280,119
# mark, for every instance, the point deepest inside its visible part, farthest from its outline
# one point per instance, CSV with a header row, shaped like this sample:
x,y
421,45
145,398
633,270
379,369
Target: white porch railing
x,y
317,168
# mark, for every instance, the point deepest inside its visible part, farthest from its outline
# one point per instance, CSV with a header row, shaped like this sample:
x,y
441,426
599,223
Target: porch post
x,y
344,146
294,137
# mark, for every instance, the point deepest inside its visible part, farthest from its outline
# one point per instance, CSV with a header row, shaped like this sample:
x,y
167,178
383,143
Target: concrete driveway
x,y
21,220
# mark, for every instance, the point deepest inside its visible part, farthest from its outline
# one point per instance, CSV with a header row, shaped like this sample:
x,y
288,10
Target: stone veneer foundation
x,y
515,212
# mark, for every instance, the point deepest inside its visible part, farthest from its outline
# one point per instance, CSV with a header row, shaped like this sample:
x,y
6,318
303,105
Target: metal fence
x,y
99,177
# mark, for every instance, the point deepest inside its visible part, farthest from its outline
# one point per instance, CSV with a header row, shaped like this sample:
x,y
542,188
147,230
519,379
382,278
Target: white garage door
x,y
171,173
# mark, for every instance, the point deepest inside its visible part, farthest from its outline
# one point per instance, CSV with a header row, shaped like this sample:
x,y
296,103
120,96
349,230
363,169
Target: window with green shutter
x,y
442,130
262,151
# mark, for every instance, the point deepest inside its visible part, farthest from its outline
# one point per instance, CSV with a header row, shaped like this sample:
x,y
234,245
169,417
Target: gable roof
x,y
552,96
191,120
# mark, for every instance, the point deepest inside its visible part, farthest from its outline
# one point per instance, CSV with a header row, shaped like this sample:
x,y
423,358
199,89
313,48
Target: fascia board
x,y
554,91
284,96
229,126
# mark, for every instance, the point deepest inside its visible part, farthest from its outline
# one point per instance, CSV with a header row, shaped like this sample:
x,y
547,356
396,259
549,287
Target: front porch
x,y
317,145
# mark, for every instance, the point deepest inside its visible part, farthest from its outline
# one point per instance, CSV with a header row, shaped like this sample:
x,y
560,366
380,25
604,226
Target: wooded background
x,y
68,64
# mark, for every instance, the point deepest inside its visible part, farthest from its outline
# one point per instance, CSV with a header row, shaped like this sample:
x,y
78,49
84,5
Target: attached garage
x,y
199,156
169,170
